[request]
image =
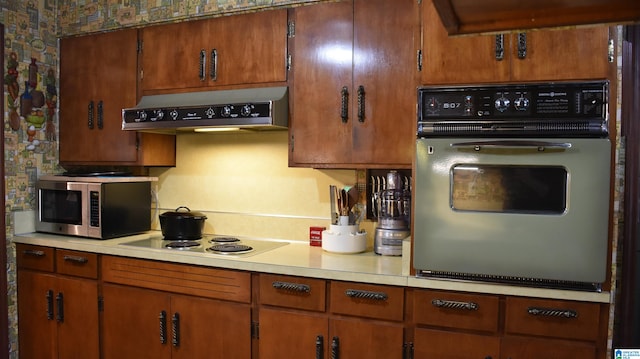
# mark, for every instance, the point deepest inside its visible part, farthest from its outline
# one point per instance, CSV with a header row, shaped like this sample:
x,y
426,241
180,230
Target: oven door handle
x,y
506,144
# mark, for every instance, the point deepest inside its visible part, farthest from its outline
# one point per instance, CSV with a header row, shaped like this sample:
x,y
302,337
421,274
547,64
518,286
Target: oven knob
x,y
502,104
174,114
226,111
246,110
433,105
210,112
143,116
157,115
521,103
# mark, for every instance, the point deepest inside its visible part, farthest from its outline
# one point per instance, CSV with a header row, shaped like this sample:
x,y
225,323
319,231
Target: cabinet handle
x,y
500,47
361,103
552,312
33,252
49,297
163,327
364,294
319,347
214,65
407,352
60,307
522,45
175,327
202,72
450,304
293,287
335,348
76,259
90,115
100,115
344,104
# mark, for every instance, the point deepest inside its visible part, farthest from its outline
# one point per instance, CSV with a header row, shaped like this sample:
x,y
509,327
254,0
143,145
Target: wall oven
x,y
512,184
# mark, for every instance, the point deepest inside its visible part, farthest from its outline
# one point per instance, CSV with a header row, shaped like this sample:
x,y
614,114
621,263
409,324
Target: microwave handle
x,y
521,144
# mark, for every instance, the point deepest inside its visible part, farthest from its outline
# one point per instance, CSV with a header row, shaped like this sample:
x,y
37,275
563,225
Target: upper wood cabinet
x,y
549,55
96,83
354,84
230,50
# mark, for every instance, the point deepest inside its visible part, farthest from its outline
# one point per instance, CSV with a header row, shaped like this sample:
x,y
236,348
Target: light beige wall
x,y
243,184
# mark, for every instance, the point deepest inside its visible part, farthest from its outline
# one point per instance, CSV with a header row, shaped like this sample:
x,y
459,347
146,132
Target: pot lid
x,y
185,213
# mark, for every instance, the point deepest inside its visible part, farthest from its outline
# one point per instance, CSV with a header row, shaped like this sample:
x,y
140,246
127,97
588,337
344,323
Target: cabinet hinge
x,y
419,60
419,2
289,60
291,143
255,330
611,51
100,303
291,29
139,46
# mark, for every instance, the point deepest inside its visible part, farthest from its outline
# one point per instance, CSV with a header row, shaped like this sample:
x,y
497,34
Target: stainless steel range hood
x,y
253,109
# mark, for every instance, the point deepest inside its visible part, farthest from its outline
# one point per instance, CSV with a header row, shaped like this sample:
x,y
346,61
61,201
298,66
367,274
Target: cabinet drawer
x,y
366,300
35,257
552,318
456,310
80,264
293,292
178,278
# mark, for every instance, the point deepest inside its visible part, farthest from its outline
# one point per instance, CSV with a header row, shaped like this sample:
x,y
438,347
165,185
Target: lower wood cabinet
x,y
298,318
162,310
452,325
57,303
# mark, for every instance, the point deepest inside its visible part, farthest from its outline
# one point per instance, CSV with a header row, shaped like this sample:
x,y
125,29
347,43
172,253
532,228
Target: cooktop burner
x,y
230,246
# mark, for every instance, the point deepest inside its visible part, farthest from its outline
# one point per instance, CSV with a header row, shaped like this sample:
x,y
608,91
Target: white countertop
x,y
300,259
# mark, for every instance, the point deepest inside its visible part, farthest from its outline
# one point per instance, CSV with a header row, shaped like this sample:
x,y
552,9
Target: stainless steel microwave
x,y
94,207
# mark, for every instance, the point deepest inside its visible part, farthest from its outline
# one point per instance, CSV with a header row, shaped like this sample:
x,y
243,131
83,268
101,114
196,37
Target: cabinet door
x,y
251,48
532,348
360,338
384,69
78,334
136,323
321,122
458,60
450,345
37,330
211,329
96,83
287,334
562,55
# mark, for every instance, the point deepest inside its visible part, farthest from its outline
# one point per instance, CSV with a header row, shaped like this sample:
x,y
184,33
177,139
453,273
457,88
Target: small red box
x,y
315,236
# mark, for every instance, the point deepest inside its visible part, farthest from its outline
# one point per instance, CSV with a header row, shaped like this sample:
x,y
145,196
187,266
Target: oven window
x,y
61,206
509,189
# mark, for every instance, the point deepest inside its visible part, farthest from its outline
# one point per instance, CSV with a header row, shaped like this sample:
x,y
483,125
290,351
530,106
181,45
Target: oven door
x,y
512,209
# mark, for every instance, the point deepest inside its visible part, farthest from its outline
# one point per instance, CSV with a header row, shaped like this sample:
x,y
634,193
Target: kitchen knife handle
x,y
500,47
90,115
450,304
49,297
552,312
344,104
364,294
100,115
175,327
361,95
293,287
319,347
60,307
163,327
522,45
214,65
202,71
76,259
335,348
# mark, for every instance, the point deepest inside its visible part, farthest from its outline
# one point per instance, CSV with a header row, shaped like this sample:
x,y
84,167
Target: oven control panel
x,y
508,109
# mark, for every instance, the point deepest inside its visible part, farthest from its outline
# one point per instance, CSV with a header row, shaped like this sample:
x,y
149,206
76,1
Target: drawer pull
x,y
32,252
551,312
450,304
293,287
76,259
363,294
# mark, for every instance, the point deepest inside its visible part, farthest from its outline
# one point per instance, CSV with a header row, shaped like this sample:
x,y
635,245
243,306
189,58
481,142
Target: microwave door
x,y
62,208
511,208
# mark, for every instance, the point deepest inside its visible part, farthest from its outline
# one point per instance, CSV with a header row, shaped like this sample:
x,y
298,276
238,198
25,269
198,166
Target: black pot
x,y
183,225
